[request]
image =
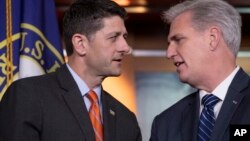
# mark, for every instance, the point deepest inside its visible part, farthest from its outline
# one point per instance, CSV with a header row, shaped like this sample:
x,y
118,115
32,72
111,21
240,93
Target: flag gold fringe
x,y
9,44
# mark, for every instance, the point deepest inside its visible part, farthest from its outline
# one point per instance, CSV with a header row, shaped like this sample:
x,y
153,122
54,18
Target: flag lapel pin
x,y
111,112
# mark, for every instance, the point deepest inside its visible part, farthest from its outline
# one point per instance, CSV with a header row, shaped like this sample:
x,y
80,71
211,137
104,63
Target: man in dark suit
x,y
204,39
56,106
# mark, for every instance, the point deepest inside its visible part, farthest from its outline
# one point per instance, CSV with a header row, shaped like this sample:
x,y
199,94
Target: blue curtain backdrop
x,y
29,40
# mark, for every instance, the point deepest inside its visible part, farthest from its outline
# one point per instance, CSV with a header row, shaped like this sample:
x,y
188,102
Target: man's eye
x,y
178,40
113,38
125,36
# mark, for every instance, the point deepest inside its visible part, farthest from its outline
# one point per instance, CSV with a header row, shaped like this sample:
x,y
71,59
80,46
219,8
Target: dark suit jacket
x,y
51,108
180,121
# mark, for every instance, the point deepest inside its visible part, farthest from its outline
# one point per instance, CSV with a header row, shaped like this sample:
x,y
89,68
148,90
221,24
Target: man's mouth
x,y
177,64
117,60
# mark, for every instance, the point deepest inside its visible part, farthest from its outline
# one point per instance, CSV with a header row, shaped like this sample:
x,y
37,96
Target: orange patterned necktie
x,y
95,116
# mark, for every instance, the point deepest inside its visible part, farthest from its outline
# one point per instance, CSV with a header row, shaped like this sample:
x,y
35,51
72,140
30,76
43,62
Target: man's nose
x,y
171,51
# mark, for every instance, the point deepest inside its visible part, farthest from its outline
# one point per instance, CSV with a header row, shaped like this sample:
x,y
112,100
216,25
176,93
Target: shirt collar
x,y
84,89
221,90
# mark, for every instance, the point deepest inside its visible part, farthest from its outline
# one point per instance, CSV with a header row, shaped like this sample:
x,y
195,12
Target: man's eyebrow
x,y
174,37
114,33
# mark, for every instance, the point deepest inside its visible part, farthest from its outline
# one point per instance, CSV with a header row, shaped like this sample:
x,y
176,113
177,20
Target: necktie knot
x,y
210,100
92,96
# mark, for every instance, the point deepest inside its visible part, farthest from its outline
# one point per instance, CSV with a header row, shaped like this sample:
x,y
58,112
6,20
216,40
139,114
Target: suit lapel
x,y
109,118
190,118
230,104
75,102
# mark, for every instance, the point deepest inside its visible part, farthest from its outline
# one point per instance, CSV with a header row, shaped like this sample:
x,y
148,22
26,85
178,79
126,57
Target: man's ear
x,y
79,42
214,37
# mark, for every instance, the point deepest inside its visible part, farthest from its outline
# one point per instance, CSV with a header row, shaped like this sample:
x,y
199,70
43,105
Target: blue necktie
x,y
207,118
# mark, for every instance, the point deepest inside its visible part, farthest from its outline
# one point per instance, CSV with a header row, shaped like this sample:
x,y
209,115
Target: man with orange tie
x,y
70,104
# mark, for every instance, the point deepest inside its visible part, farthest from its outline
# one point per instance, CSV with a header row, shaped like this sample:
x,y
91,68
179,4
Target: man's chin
x,y
183,79
115,74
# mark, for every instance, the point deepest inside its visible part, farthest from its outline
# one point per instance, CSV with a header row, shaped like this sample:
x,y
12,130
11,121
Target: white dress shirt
x,y
220,91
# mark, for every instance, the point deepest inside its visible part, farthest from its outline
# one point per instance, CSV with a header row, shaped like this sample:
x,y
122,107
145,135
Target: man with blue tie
x,y
70,104
203,42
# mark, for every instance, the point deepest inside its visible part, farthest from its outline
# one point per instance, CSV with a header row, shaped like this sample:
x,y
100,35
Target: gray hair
x,y
211,12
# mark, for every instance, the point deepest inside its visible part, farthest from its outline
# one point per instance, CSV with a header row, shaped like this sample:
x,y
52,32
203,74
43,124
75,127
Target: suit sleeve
x,y
20,115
